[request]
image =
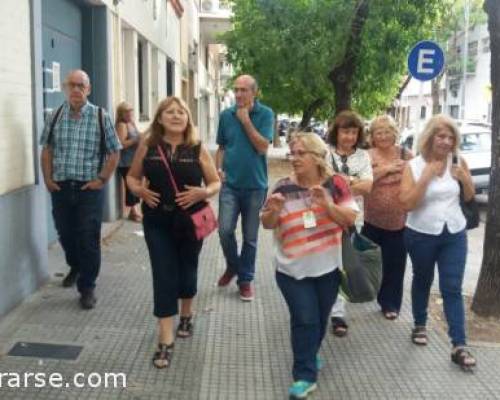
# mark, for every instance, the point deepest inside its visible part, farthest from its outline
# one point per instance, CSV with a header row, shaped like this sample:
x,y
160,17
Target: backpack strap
x,y
102,141
50,137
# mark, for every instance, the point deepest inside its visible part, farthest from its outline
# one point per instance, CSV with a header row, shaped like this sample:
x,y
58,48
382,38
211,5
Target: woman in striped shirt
x,y
308,211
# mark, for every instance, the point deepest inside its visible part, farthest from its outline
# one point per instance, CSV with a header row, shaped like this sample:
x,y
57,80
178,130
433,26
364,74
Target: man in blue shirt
x,y
244,133
80,153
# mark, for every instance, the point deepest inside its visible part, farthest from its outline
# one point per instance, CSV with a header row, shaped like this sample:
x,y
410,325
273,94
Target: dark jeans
x,y
130,199
232,203
309,301
77,216
394,256
449,252
174,263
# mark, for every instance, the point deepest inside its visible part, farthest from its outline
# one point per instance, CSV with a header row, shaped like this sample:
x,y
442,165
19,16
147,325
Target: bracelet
x,y
103,180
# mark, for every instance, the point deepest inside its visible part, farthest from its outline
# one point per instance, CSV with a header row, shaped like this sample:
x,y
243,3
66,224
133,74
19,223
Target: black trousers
x,y
130,199
394,256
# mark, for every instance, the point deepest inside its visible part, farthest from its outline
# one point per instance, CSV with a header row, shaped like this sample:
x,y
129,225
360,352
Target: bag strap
x,y
53,124
334,163
167,166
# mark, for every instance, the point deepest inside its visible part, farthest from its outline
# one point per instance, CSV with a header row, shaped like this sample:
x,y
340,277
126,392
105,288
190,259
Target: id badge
x,y
309,219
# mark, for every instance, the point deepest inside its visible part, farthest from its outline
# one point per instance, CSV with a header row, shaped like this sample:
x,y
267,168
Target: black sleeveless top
x,y
186,169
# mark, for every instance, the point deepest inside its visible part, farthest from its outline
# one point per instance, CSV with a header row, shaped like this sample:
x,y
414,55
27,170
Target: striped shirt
x,y
308,252
76,143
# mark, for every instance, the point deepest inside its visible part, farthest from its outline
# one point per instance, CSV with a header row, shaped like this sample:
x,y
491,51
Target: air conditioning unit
x,y
207,5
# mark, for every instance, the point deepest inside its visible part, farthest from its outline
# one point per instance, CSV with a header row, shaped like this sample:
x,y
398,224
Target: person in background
x,y
384,217
244,133
353,163
129,138
435,230
168,229
308,211
80,154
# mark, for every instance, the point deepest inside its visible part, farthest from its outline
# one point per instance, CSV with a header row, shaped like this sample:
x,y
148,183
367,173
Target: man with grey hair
x,y
80,153
244,133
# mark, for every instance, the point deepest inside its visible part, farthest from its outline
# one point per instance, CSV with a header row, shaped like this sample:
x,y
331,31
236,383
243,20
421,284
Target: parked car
x,y
475,148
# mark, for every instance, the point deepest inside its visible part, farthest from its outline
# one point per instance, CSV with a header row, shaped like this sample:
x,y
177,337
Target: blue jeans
x,y
449,252
232,203
394,255
77,216
309,301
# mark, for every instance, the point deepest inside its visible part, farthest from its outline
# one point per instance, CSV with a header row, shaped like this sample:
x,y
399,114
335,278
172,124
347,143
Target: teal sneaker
x,y
319,363
301,389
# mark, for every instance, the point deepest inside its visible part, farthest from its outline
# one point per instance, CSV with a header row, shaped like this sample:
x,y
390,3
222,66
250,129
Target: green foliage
x,y
292,45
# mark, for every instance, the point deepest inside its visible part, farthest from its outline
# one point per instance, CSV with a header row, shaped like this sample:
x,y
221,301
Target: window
x,y
423,110
472,48
143,79
170,77
485,43
454,111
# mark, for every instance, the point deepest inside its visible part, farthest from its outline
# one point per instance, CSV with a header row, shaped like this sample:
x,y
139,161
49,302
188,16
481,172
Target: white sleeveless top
x,y
440,204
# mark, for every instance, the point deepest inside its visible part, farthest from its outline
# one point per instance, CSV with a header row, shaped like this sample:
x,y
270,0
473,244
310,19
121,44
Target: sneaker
x,y
226,278
319,363
246,291
301,389
88,299
70,279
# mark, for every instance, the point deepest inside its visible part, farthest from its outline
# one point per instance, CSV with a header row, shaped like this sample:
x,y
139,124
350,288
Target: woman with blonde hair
x,y
384,217
308,211
435,230
168,229
129,136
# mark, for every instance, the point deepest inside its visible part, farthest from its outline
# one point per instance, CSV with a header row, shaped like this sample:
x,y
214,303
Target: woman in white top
x,y
354,164
435,230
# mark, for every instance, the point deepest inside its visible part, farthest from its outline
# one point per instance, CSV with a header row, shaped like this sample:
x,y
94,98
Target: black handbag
x,y
469,208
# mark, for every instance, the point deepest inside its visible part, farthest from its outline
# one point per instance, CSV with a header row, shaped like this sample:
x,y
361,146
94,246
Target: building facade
x,y
138,51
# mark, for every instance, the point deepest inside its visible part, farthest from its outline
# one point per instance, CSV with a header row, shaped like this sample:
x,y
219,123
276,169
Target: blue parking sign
x,y
425,61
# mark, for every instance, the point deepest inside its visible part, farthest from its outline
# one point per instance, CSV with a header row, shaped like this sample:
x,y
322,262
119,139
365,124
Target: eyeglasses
x,y
299,153
344,168
72,85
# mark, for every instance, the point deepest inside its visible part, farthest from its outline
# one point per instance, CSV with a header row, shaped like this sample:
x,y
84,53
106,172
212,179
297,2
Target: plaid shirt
x,y
75,143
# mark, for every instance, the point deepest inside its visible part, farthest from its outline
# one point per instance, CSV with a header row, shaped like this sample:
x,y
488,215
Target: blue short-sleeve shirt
x,y
243,166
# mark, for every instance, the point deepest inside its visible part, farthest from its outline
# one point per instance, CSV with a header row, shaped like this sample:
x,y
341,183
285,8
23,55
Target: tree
x,y
486,300
316,57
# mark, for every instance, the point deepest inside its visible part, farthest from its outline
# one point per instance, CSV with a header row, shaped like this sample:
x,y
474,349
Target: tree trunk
x,y
276,136
486,301
342,74
309,112
435,87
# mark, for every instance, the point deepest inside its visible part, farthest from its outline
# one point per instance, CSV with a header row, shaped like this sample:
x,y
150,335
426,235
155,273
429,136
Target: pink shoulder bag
x,y
204,220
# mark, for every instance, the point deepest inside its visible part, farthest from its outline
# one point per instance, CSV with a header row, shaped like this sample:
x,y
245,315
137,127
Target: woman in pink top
x,y
384,214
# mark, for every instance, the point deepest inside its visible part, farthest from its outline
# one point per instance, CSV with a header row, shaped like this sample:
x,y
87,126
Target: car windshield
x,y
476,142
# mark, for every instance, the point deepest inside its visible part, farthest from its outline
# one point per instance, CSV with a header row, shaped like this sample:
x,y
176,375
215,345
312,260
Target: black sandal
x,y
339,326
185,328
163,356
463,358
419,336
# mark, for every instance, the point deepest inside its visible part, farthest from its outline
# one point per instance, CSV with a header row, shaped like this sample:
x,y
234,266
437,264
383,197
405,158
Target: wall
x,y
23,233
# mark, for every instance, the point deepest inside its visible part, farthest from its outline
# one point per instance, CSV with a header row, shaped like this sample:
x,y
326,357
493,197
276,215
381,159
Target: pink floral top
x,y
382,206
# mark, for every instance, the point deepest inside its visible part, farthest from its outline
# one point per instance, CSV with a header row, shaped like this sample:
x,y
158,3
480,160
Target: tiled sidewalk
x,y
239,351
